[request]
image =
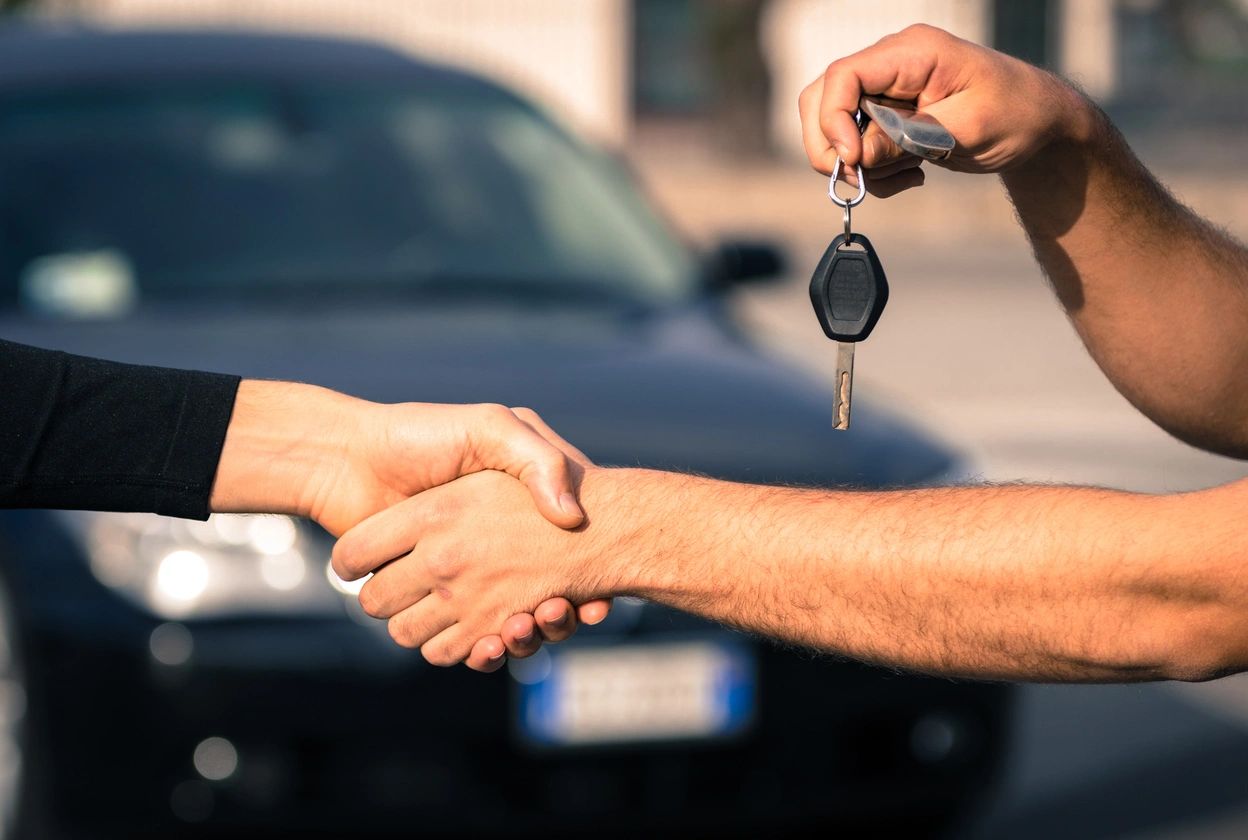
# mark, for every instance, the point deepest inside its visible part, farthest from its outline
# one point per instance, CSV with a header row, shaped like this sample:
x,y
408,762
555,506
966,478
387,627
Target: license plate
x,y
635,693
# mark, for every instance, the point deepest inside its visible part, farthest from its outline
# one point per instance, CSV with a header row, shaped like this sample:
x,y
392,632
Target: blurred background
x,y
699,99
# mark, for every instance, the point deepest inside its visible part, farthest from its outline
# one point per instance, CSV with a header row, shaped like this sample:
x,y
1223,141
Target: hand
x,y
1000,110
556,619
471,554
299,449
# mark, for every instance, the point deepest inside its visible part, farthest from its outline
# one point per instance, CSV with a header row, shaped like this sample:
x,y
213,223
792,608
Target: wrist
x,y
1062,128
612,541
1078,119
285,443
1050,189
644,529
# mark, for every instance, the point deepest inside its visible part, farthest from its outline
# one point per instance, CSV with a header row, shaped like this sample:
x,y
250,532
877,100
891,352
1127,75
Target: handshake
x,y
461,513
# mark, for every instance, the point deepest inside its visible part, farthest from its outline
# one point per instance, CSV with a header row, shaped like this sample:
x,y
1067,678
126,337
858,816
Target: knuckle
x,y
371,601
441,654
343,559
920,30
495,413
551,460
444,565
400,633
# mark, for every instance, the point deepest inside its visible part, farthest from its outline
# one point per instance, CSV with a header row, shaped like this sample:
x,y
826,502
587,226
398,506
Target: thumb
x,y
551,477
956,115
553,488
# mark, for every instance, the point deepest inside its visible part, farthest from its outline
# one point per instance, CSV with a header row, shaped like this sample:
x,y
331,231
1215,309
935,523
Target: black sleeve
x,y
85,434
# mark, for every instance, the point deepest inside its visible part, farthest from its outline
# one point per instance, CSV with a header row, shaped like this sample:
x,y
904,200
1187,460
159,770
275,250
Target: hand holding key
x,y
1000,110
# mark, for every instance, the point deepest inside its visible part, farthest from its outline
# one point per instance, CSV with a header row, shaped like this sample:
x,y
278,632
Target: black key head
x,y
849,289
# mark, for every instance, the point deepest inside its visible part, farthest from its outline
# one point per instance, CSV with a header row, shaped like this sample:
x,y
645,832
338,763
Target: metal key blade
x,y
844,385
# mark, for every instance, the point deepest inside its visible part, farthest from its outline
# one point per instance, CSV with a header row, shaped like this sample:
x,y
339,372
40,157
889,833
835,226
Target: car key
x,y
848,288
849,291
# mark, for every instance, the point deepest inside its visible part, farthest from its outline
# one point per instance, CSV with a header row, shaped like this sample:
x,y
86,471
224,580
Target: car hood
x,y
675,390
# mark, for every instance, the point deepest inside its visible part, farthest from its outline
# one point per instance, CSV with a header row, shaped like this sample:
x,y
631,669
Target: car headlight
x,y
230,565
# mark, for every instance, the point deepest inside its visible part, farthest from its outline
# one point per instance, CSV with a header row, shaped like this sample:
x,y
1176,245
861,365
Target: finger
x,y
897,183
898,67
516,448
888,170
395,587
419,623
963,117
385,535
878,149
818,147
450,647
388,534
520,636
594,612
535,421
838,103
907,161
556,619
488,655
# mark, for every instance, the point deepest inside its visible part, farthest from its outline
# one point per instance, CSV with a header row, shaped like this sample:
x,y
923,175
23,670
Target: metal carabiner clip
x,y
847,203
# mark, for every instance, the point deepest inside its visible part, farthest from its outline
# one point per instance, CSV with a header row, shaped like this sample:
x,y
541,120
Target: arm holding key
x,y
1158,295
1024,583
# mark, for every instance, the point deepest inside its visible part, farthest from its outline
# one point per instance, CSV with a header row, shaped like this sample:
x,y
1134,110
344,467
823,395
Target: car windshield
x,y
252,190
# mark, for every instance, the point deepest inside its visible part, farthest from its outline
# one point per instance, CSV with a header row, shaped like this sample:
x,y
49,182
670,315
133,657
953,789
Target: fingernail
x,y
558,622
568,504
597,620
498,655
525,637
840,150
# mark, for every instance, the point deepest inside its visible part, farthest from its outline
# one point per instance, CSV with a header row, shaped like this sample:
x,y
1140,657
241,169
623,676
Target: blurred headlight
x,y
231,565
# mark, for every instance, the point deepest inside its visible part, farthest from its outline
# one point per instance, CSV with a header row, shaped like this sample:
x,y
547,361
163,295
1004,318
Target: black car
x,y
338,213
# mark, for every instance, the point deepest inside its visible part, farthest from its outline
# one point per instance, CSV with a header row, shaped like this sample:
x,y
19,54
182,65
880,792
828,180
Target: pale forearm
x,y
285,442
1026,583
1159,296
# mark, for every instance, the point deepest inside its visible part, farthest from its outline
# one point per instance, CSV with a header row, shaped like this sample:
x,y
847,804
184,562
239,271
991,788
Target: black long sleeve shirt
x,y
86,434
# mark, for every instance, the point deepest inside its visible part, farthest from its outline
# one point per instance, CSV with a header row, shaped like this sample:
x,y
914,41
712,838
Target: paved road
x,y
974,346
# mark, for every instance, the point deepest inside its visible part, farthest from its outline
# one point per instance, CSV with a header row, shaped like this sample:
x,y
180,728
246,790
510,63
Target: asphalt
x,y
974,347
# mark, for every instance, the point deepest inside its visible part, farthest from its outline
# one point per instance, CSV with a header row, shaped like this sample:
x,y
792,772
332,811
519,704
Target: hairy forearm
x,y
1159,296
1023,583
285,442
